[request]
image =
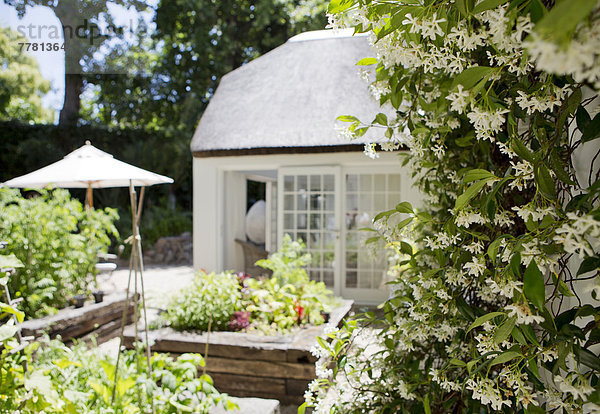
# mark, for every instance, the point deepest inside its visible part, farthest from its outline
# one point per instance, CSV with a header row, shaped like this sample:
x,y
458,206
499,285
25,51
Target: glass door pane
x,y
308,212
365,266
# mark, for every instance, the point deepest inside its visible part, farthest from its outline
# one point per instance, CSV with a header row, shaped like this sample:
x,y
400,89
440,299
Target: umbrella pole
x,y
89,197
139,267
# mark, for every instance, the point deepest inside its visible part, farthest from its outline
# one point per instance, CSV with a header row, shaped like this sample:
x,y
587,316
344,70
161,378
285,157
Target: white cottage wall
x,y
219,197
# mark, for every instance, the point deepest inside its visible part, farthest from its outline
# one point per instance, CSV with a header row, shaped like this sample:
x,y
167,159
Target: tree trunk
x,y
72,20
69,114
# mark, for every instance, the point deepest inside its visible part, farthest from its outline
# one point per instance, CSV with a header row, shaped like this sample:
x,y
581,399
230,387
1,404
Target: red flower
x,y
299,311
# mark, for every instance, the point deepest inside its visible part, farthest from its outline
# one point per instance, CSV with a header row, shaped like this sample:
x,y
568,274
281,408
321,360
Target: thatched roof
x,y
289,98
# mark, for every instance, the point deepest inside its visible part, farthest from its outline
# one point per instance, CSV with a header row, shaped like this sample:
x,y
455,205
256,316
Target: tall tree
x,y
197,42
21,83
79,20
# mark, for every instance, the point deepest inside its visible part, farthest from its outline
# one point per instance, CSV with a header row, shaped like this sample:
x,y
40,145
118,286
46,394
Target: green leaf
x,y
347,118
476,175
505,357
545,182
558,167
533,285
530,334
564,17
471,76
383,214
583,118
404,223
592,130
406,248
338,6
483,319
469,194
589,264
470,365
366,62
492,250
464,308
518,336
457,362
426,407
521,150
404,207
504,330
487,5
587,358
359,132
302,408
373,239
381,119
562,286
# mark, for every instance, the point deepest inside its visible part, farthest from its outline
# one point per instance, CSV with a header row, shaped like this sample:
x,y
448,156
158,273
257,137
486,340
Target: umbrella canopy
x,y
88,167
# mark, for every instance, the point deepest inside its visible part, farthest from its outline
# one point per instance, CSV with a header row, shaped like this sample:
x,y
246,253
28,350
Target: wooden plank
x,y
107,331
268,369
248,386
296,387
225,350
221,344
72,323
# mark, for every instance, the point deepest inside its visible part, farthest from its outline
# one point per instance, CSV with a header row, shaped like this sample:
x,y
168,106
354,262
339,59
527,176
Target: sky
x,y
41,20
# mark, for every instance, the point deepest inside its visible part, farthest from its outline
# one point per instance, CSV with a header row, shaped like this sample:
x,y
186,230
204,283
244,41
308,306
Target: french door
x,y
309,205
327,207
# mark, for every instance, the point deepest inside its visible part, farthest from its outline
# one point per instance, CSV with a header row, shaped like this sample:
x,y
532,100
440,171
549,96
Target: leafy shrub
x,y
77,380
162,221
237,302
276,308
58,242
493,276
212,295
288,263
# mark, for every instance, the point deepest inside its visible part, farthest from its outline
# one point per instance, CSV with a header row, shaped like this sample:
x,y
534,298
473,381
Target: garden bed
x,y
250,365
102,319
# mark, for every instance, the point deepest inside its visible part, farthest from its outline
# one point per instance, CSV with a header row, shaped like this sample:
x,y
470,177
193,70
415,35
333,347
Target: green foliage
x,y
162,221
277,308
288,263
196,43
57,241
21,83
489,312
76,379
276,305
212,297
25,148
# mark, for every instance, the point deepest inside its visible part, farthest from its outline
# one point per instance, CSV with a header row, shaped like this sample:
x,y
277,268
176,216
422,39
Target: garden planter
x,y
102,319
98,296
249,365
79,300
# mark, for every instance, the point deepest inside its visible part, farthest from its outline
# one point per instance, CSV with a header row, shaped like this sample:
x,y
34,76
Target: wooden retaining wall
x,y
101,319
249,365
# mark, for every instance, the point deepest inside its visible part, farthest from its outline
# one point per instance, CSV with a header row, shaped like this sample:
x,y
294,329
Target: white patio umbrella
x,y
88,167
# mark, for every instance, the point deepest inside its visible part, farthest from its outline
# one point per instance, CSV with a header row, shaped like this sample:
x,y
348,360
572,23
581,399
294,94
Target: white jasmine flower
x,y
523,314
580,236
370,151
459,99
577,386
476,267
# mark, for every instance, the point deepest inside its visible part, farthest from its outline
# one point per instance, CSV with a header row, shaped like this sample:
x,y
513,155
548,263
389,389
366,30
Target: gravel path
x,y
160,283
